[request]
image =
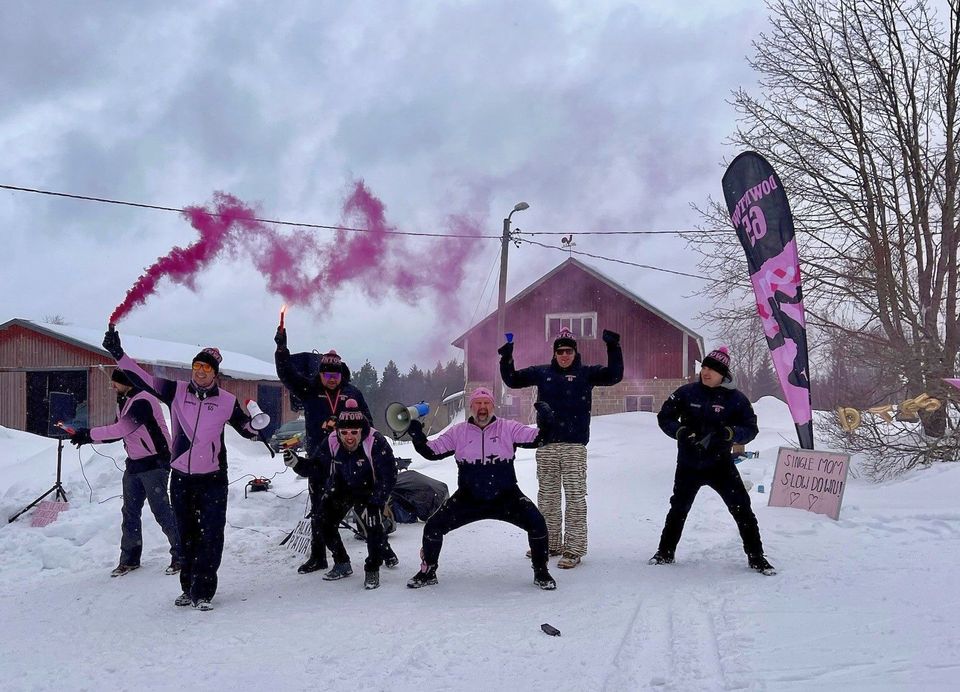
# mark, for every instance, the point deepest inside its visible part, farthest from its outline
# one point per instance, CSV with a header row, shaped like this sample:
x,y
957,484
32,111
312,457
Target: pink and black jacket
x,y
197,416
141,426
370,469
484,456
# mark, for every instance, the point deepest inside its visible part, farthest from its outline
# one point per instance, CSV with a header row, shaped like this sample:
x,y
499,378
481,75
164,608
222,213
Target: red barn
x,y
38,360
659,353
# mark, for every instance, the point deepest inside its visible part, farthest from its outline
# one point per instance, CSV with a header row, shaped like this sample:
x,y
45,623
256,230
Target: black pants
x,y
511,506
723,478
317,545
200,505
333,508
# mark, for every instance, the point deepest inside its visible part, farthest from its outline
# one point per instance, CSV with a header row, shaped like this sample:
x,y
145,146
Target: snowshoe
x,y
661,558
427,576
341,570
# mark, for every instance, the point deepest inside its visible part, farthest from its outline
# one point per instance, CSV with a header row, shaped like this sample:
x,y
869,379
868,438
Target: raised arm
x,y
612,373
513,378
440,448
295,381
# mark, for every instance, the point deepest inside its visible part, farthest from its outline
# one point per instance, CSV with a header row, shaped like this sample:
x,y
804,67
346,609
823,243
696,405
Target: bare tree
x,y
858,113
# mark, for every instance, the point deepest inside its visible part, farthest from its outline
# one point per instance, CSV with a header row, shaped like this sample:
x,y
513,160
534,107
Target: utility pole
x,y
502,295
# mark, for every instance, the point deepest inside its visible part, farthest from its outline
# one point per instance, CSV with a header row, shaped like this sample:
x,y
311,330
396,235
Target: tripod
x,y
57,487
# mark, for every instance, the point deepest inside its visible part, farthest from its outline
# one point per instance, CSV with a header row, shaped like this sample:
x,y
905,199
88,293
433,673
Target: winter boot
x,y
313,564
427,576
121,569
542,578
173,568
568,561
758,562
183,600
390,558
661,557
203,604
341,570
371,579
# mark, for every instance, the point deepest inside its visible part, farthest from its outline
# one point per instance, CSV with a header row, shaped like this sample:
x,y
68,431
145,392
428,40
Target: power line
x,y
280,222
619,261
277,222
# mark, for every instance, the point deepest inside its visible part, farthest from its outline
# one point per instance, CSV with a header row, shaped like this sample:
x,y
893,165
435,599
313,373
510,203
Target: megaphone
x,y
260,420
399,416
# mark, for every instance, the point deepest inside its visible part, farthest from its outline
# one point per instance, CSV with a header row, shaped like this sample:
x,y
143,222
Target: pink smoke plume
x,y
306,270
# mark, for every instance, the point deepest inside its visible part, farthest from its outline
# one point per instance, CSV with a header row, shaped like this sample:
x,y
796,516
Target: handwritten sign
x,y
809,480
47,512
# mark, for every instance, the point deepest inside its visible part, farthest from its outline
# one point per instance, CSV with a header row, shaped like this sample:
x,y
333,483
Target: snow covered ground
x,y
866,602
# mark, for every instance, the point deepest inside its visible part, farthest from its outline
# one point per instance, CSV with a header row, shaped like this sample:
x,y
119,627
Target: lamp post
x,y
502,296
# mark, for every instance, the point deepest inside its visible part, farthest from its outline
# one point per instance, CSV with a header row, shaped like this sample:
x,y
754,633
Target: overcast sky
x,y
602,116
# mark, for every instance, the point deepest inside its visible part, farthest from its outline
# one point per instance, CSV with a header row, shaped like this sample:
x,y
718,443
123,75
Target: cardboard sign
x,y
302,537
47,512
809,480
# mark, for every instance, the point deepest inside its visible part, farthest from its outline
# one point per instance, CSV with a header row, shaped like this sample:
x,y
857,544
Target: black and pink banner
x,y
761,215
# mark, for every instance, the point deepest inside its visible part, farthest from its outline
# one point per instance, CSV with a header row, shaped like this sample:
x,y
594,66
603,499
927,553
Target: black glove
x,y
506,351
686,436
81,437
544,414
726,433
611,338
111,342
373,516
329,425
280,338
415,429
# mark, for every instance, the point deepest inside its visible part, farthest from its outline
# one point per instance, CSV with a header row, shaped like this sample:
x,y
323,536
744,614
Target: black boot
x,y
315,563
542,578
371,579
759,563
427,576
661,557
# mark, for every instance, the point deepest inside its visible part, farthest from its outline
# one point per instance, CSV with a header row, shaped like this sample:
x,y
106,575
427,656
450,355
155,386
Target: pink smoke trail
x,y
305,270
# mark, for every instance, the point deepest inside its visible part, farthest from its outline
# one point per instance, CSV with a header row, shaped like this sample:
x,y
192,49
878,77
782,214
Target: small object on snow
x,y
550,629
257,485
759,487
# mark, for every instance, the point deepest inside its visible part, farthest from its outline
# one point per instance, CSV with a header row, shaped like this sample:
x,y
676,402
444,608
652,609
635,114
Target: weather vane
x,y
568,244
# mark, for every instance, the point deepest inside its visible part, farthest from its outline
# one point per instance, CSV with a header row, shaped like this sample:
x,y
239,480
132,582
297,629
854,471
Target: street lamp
x,y
502,296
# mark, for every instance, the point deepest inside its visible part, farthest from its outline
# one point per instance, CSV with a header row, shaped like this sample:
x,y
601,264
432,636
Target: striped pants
x,y
564,466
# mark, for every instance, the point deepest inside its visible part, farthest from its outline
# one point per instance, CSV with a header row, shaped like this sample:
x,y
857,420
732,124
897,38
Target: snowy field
x,y
866,602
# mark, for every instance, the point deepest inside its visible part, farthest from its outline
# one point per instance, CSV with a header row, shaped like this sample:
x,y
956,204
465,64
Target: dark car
x,y
290,436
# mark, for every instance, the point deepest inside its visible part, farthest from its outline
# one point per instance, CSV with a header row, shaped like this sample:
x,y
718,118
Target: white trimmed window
x,y
583,325
640,402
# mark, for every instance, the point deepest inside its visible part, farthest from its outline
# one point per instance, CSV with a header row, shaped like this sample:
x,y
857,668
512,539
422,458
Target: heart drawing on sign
x,y
812,499
794,497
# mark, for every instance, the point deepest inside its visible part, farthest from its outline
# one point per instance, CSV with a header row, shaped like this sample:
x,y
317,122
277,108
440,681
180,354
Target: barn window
x,y
582,324
641,402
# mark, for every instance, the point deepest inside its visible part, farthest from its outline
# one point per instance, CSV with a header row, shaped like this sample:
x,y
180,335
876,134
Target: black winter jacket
x,y
568,392
725,414
370,470
319,403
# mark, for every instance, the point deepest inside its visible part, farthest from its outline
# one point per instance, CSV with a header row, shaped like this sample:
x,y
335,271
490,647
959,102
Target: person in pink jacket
x,y
199,412
484,448
146,440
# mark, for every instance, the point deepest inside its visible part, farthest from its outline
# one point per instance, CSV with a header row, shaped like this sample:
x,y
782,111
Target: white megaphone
x,y
260,420
399,416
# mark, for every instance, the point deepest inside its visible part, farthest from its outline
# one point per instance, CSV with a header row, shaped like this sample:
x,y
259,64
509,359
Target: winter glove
x,y
289,458
686,437
415,429
281,338
81,437
111,342
373,516
506,351
726,433
544,414
611,338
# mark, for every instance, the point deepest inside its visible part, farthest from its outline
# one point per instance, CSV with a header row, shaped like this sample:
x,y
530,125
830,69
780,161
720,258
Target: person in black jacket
x,y
566,385
360,473
707,419
323,398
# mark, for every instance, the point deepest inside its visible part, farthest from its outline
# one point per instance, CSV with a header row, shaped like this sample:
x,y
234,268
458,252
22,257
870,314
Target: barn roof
x,y
458,342
152,351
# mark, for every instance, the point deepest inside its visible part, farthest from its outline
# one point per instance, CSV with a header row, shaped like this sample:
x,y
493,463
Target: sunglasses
x,y
327,373
350,431
205,367
564,351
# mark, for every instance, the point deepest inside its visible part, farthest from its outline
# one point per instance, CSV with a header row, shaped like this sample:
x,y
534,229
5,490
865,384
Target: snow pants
x,y
200,505
511,506
151,487
725,479
333,508
562,466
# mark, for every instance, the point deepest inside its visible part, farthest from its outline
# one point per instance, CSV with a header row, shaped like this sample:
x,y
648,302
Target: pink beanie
x,y
480,393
